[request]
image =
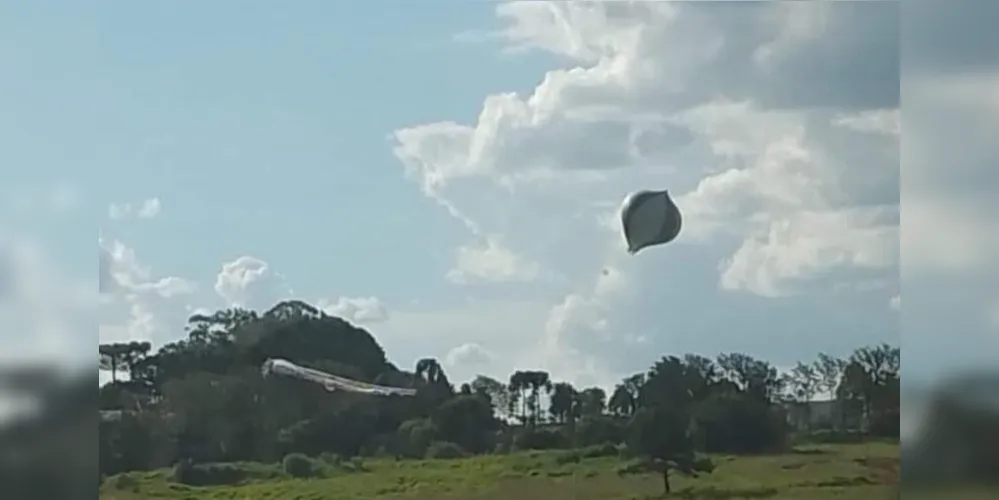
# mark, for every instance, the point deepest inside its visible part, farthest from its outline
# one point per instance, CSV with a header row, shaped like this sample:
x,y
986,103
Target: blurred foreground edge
x,y
48,434
954,452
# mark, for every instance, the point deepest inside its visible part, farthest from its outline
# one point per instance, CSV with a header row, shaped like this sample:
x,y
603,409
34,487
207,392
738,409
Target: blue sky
x,y
448,178
280,119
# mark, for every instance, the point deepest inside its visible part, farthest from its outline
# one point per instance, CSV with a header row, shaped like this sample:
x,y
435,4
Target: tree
x,y
803,381
662,435
430,370
518,386
752,376
703,376
869,385
829,369
122,357
467,421
201,398
562,403
537,381
497,393
592,402
852,393
625,398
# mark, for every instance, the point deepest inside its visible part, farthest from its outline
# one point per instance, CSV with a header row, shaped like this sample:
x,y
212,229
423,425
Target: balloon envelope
x,y
329,381
649,218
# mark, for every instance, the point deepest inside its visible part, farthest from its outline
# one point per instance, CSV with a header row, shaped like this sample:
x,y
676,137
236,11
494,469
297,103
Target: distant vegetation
x,y
200,408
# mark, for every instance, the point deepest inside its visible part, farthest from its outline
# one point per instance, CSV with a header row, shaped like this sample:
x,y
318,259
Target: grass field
x,y
848,472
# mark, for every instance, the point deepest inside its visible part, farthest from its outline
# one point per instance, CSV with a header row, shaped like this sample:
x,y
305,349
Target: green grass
x,y
847,472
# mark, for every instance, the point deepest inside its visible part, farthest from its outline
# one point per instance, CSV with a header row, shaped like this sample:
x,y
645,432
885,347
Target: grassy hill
x,y
853,472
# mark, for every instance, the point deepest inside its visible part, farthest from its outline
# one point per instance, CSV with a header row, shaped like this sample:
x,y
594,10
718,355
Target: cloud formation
x,y
365,310
470,355
776,126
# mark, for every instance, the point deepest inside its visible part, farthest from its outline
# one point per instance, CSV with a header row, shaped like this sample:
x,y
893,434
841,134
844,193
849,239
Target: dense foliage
x,y
202,400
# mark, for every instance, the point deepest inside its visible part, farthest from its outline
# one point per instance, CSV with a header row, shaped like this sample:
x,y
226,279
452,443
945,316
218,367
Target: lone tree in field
x,y
662,437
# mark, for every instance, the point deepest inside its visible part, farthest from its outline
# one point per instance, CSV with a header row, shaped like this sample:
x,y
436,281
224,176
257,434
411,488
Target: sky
x,y
449,179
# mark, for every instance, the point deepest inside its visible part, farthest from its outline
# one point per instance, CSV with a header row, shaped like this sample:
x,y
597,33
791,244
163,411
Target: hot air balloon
x,y
329,381
649,218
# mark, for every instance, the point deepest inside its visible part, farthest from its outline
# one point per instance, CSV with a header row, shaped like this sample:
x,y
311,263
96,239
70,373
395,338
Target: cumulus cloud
x,y
469,355
356,310
138,305
491,262
810,243
251,283
135,304
775,126
146,209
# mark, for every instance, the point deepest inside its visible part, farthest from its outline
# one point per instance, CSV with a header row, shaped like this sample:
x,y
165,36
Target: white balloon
x,y
649,218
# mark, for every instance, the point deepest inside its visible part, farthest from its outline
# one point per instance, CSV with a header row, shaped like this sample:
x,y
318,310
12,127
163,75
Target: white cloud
x,y
876,121
506,330
135,305
491,262
356,310
775,125
251,283
468,355
810,243
146,209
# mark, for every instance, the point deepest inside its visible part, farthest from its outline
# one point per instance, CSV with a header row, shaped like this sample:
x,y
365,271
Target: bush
x,y
502,448
539,439
298,465
445,450
124,482
738,424
415,437
600,450
355,464
836,437
592,431
190,474
568,457
330,459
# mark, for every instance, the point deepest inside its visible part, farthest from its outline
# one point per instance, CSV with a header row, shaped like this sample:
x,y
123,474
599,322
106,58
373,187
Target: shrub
x,y
298,465
600,450
355,464
445,450
836,437
568,457
190,474
592,431
330,459
124,482
539,439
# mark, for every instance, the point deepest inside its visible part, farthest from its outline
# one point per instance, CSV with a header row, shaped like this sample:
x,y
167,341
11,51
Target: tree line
x,y
203,400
